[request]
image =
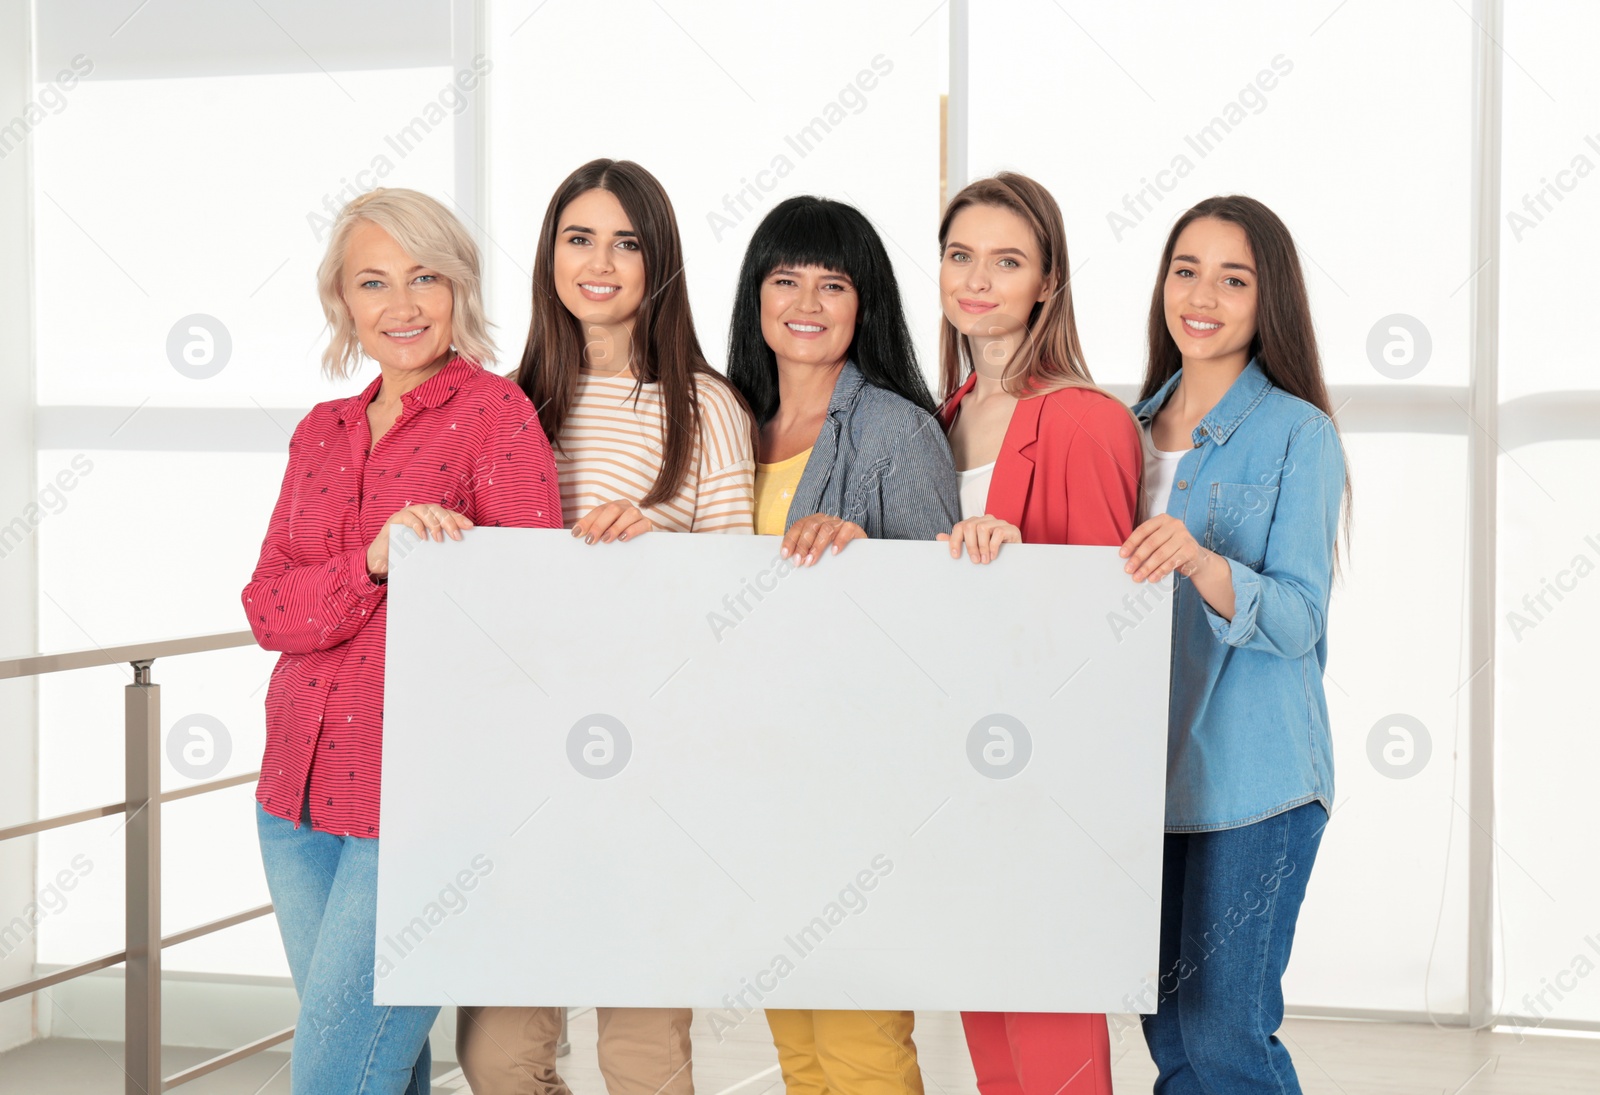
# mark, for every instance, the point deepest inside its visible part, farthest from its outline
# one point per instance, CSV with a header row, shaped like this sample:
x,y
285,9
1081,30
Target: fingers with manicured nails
x,y
619,515
994,536
1157,546
805,533
953,538
1145,539
843,533
638,526
595,522
1138,537
453,524
627,520
791,538
997,536
411,520
971,539
1009,534
821,536
1167,552
1160,563
1142,551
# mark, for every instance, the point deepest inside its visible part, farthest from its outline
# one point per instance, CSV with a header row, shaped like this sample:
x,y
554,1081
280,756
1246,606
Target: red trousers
x,y
1039,1053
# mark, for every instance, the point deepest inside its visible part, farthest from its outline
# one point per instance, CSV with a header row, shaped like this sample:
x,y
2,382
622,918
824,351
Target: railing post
x,y
142,1015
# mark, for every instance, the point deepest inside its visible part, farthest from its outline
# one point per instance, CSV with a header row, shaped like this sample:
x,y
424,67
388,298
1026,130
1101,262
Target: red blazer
x,y
1069,467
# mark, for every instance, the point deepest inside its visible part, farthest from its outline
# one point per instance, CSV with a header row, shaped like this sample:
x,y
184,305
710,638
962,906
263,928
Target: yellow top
x,y
775,484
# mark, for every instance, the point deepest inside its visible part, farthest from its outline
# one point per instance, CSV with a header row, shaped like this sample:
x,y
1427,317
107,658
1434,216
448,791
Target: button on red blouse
x,y
467,440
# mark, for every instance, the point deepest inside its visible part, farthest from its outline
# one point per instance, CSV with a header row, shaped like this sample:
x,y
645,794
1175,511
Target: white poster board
x,y
678,772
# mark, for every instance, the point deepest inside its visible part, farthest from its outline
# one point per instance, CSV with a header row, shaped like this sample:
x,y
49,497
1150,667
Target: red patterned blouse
x,y
466,439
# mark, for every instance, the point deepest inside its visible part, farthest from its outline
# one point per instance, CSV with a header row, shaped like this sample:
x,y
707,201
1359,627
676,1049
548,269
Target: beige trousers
x,y
512,1051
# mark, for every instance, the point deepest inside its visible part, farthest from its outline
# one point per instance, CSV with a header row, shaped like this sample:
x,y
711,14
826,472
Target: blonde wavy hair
x,y
434,238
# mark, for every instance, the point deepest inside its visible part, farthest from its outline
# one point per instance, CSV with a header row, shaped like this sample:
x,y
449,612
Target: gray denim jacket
x,y
880,461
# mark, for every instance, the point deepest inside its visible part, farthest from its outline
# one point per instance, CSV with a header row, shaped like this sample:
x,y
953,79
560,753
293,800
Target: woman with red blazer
x,y
1044,457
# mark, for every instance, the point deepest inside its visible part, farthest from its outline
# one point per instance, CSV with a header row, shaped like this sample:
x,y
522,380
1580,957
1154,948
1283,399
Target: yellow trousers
x,y
846,1052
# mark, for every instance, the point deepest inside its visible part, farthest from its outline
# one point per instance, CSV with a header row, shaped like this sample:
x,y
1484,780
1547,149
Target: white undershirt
x,y
974,484
1160,471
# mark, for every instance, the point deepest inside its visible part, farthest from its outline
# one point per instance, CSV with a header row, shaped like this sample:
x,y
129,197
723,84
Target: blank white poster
x,y
678,772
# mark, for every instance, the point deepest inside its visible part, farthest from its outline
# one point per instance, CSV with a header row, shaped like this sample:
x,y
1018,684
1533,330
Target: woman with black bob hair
x,y
847,446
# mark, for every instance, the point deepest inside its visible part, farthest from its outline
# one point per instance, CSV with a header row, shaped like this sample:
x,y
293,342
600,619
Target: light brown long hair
x,y
1050,353
663,348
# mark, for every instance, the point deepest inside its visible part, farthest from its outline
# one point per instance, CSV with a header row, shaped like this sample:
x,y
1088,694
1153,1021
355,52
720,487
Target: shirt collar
x,y
436,391
845,386
1242,397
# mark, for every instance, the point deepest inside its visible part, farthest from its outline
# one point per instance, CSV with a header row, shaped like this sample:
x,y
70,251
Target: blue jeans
x,y
325,891
1229,900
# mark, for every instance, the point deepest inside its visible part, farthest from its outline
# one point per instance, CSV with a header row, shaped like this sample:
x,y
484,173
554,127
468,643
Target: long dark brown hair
x,y
663,348
1285,342
1050,353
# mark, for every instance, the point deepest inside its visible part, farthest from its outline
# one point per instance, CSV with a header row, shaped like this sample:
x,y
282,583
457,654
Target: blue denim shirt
x,y
1248,733
880,461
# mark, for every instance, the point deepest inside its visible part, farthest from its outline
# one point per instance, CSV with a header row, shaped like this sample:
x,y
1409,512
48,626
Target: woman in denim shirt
x,y
847,447
1245,476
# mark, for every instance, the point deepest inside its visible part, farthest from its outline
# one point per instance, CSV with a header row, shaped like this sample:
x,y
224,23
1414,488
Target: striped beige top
x,y
610,450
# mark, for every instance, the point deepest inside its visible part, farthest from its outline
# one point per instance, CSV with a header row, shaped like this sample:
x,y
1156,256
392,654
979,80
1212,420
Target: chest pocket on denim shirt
x,y
1241,518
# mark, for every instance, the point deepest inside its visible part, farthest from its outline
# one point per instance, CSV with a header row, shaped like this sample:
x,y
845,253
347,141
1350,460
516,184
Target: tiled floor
x,y
1334,1058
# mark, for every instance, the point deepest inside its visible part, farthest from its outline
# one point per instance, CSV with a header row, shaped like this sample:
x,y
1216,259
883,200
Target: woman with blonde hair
x,y
437,443
1044,457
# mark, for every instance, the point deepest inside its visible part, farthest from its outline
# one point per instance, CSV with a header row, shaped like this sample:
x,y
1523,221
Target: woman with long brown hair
x,y
646,436
1245,478
1044,457
613,361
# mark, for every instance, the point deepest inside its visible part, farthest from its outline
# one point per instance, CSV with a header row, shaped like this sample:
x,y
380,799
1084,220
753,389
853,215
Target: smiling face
x,y
1210,293
808,315
402,310
598,264
992,273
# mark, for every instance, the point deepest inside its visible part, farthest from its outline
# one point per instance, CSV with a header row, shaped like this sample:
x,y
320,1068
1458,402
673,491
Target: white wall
x,y
18,801
1549,567
721,107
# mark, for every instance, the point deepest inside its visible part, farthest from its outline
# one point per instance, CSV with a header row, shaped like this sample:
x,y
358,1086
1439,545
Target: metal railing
x,y
141,954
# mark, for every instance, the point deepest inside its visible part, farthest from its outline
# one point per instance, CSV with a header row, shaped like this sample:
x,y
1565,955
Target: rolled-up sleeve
x,y
298,607
1282,608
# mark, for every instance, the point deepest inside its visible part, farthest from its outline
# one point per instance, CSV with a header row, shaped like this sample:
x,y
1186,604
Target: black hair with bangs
x,y
811,231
